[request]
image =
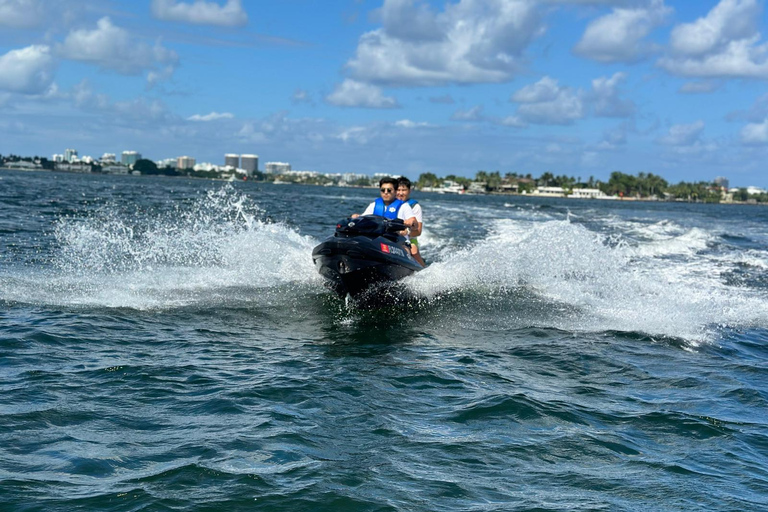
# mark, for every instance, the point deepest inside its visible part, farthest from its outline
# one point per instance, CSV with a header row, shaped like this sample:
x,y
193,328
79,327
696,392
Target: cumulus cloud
x,y
446,99
21,13
723,44
200,12
137,110
755,133
619,36
111,47
29,70
700,87
301,96
407,123
614,137
213,116
683,134
472,114
728,21
756,113
357,134
472,41
351,93
606,98
547,102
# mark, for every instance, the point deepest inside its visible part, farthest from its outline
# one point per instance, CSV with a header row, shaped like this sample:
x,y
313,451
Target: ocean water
x,y
166,344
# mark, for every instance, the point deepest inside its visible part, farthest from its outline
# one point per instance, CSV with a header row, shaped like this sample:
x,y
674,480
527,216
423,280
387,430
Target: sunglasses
x,y
388,190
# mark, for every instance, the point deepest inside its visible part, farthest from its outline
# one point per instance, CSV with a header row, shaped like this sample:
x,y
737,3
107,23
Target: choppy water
x,y
166,344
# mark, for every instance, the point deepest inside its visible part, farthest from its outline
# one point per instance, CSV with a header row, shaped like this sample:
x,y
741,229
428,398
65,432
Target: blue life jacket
x,y
390,212
412,202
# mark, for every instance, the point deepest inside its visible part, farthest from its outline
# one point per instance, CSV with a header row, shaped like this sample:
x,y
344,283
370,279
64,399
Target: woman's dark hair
x,y
404,181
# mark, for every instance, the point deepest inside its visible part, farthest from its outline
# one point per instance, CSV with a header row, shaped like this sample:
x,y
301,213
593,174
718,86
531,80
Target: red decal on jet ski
x,y
384,248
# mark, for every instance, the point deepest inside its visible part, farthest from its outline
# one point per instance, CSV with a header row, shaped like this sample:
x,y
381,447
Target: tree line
x,y
642,185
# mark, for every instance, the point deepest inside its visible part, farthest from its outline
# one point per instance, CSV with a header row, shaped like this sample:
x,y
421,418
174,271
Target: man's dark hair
x,y
405,182
391,181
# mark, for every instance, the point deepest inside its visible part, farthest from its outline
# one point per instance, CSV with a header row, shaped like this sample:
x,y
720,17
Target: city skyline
x,y
574,87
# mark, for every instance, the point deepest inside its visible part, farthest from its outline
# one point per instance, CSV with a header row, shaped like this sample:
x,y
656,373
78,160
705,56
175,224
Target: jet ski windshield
x,y
370,225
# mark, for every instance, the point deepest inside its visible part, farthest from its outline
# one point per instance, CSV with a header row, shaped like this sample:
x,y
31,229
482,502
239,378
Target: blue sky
x,y
575,87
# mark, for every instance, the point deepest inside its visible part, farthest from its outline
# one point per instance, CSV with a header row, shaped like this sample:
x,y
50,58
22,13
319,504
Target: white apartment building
x,y
277,167
250,163
185,162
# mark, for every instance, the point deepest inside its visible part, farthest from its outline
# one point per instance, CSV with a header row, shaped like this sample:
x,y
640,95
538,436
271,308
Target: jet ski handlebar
x,y
371,225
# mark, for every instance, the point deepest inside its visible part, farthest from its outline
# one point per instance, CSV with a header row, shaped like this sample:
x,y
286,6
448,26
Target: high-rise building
x,y
167,162
721,181
277,167
130,157
250,163
70,155
185,162
232,160
108,158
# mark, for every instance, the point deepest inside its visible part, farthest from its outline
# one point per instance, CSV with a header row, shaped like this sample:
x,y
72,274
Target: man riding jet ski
x,y
369,249
364,251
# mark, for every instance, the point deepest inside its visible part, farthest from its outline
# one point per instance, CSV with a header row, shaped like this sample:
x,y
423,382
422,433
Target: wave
x,y
216,246
531,270
590,283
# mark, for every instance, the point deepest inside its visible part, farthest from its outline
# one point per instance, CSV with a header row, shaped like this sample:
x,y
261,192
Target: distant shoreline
x,y
498,194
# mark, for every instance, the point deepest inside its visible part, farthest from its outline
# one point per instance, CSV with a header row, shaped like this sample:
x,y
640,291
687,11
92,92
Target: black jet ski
x,y
363,252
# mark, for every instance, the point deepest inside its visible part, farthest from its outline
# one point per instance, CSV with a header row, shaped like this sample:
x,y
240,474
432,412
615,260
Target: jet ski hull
x,y
353,263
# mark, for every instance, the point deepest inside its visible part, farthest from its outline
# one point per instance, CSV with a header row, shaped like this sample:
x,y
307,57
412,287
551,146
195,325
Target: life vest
x,y
389,212
412,202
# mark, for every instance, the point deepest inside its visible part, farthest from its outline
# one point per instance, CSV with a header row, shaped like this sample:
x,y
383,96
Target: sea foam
x,y
593,283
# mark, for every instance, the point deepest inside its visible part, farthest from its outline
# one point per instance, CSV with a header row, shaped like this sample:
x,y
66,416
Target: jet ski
x,y
364,252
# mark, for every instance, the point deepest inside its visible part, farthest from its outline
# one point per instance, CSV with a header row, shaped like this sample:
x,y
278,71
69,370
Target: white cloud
x,y
200,12
545,102
515,121
472,41
21,13
473,114
251,134
29,70
111,47
728,21
301,96
723,44
755,133
683,134
545,89
446,99
132,112
614,138
356,134
407,123
700,87
606,100
351,93
739,59
213,116
756,113
619,36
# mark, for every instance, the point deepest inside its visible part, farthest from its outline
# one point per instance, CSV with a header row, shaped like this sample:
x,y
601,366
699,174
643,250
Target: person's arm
x,y
368,211
416,230
406,214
